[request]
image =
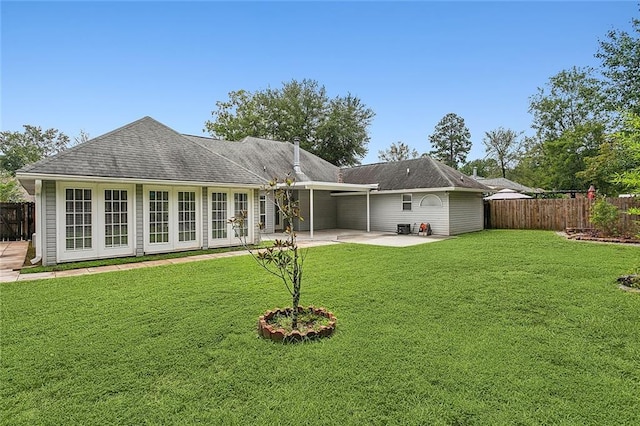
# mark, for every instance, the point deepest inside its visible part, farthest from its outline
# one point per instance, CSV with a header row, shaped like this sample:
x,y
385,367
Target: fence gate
x,y
17,221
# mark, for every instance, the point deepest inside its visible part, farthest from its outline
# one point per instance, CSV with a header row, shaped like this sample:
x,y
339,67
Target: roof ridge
x,y
73,148
226,158
438,166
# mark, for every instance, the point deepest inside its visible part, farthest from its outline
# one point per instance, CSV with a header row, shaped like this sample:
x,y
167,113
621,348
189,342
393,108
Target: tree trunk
x,y
294,312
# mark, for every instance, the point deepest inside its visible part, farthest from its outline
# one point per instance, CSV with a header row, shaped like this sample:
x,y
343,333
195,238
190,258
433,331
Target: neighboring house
x,y
145,188
497,184
507,194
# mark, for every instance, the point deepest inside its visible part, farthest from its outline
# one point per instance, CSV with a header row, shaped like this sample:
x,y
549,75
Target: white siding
x,y
466,212
139,248
352,212
324,207
387,213
303,203
205,218
50,249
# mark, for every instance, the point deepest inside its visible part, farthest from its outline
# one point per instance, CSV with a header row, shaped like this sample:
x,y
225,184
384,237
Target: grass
x,y
496,327
117,260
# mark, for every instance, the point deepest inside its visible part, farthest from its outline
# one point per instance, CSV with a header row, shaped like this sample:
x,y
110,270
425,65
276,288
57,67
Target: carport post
x,y
311,212
368,212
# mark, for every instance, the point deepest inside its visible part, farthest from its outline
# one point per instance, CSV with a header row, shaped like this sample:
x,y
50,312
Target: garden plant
x,y
285,260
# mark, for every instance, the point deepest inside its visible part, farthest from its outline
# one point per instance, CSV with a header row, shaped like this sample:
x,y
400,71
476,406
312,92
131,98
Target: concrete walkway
x,y
13,253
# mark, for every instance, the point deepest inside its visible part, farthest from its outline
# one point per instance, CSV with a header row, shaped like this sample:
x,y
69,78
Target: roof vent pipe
x,y
475,172
296,155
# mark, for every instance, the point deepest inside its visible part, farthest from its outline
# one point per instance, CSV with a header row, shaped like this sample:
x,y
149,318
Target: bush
x,y
605,217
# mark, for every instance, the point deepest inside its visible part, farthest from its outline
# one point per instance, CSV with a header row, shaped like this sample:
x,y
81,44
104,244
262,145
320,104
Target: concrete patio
x,y
385,239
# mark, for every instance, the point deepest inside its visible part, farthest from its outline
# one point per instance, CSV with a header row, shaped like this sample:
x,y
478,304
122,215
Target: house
x,y
144,188
498,184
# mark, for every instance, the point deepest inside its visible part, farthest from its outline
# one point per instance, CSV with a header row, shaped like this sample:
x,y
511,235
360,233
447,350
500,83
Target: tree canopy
x,y
486,167
21,148
335,129
451,141
397,152
570,123
503,146
620,56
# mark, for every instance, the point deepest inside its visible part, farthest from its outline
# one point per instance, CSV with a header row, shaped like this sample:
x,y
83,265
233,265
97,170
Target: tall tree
x,y
503,146
486,168
21,148
334,129
620,56
398,152
570,123
451,140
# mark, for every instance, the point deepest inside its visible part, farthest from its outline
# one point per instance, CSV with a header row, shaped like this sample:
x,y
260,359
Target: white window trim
x,y
98,248
403,202
173,243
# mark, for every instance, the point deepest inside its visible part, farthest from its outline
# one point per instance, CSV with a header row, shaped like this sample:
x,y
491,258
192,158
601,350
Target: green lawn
x,y
496,327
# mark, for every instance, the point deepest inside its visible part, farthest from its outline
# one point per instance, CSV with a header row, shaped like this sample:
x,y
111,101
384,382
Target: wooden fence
x,y
17,221
551,214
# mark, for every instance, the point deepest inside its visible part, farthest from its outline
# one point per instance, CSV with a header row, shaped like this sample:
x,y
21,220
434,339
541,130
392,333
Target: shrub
x,y
605,217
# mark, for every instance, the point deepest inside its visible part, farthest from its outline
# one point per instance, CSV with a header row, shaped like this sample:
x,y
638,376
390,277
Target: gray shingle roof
x,y
149,150
423,172
145,149
270,159
502,183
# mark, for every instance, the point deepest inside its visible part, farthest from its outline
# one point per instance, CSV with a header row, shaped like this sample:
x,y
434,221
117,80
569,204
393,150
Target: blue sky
x,y
97,66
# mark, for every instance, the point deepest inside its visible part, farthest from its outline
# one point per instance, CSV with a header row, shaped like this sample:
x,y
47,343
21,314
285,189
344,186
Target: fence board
x,y
552,214
17,221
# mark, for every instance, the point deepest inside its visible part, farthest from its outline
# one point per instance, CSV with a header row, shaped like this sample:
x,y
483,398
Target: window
x,y
219,215
431,200
158,216
186,216
240,208
406,202
116,218
263,211
78,219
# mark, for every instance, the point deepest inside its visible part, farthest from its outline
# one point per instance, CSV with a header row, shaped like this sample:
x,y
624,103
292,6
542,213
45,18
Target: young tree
x,y
503,146
620,56
451,140
334,129
21,148
284,259
398,152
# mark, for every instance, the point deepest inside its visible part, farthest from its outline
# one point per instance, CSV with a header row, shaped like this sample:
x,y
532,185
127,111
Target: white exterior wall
x,y
351,212
53,230
466,212
324,207
49,237
387,212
